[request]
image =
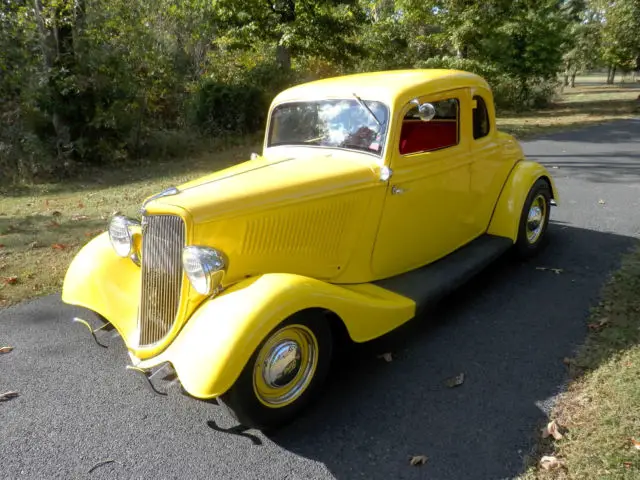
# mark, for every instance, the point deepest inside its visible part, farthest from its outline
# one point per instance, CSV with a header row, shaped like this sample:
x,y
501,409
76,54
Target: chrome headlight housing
x,y
205,267
120,235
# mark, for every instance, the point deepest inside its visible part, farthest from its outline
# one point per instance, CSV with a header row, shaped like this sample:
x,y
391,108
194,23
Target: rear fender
x,y
506,214
219,339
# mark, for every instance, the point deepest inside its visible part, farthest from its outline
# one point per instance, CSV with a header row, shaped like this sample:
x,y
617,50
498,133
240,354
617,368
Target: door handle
x,y
395,190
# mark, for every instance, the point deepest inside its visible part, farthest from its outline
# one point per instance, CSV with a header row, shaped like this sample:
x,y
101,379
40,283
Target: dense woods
x,y
108,81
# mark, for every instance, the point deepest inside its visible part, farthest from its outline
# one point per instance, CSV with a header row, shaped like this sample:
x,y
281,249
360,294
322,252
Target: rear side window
x,y
441,132
480,118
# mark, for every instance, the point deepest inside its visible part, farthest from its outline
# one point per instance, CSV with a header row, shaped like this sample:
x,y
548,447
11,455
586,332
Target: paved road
x,y
508,331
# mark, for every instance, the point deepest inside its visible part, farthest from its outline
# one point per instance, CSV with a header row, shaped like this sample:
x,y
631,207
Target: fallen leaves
x,y
59,246
10,280
8,396
386,357
550,463
597,326
93,233
635,443
557,271
418,460
455,381
6,349
552,430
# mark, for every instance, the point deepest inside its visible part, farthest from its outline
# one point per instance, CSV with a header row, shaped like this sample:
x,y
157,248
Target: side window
x,y
480,118
441,132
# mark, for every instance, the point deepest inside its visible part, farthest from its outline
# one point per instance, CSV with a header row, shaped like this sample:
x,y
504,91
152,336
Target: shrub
x,y
218,108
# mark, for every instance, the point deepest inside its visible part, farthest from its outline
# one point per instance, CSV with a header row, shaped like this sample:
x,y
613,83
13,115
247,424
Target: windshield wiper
x,y
362,104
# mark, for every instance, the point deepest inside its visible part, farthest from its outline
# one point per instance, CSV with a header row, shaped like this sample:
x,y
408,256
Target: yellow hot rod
x,y
374,195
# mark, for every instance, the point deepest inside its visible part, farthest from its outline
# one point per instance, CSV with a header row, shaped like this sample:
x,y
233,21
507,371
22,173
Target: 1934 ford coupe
x,y
374,194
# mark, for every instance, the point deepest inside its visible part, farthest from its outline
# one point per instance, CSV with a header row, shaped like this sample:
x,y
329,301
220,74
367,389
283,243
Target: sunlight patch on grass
x,y
585,105
43,226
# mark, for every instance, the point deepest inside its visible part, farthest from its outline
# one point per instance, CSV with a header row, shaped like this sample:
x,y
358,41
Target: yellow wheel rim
x,y
536,219
285,366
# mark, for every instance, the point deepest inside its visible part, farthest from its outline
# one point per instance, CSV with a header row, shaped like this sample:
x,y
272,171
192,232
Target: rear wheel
x,y
284,374
534,220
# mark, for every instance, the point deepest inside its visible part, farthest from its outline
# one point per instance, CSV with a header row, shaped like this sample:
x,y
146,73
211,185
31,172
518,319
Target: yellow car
x,y
374,195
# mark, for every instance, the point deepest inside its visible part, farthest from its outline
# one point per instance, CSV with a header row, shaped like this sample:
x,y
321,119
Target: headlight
x,y
120,235
204,267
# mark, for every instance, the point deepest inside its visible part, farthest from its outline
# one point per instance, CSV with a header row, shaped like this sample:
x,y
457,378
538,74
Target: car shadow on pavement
x,y
507,331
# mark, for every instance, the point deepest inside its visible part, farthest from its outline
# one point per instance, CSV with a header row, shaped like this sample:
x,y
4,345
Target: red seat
x,y
418,136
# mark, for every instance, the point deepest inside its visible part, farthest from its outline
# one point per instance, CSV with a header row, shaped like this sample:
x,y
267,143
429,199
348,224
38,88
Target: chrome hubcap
x,y
282,364
285,366
536,219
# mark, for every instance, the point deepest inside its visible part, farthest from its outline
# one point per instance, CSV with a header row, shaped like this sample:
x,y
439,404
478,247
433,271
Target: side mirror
x,y
426,111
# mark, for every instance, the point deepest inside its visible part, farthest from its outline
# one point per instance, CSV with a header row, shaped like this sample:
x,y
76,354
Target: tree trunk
x,y
58,54
283,57
565,80
609,75
573,80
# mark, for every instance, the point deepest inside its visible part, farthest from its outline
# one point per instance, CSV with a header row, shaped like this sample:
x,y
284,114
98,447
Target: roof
x,y
389,86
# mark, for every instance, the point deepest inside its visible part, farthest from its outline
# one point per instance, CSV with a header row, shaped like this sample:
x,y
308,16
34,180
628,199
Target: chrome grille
x,y
162,242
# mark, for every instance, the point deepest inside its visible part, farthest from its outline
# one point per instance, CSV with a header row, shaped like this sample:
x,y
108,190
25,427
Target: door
x,y
428,196
490,167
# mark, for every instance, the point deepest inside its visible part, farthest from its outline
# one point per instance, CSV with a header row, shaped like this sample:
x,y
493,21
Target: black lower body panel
x,y
429,283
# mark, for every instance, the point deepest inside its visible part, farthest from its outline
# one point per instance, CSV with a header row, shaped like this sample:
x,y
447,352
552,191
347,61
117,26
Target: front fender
x,y
506,214
220,337
101,281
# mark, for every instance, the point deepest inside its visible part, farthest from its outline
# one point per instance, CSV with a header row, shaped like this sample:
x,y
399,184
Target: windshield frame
x,y
384,129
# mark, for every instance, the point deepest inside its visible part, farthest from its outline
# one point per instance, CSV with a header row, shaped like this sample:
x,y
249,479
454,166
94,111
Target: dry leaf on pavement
x,y
455,381
418,460
550,463
601,202
6,349
386,357
7,396
557,271
553,430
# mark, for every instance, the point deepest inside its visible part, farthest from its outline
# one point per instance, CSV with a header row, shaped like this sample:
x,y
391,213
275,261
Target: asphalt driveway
x,y
507,331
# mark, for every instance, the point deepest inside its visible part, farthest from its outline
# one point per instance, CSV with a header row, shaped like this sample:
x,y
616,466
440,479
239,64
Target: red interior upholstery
x,y
418,136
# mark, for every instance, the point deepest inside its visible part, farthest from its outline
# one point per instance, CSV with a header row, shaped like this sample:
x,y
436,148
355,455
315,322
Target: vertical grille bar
x,y
163,237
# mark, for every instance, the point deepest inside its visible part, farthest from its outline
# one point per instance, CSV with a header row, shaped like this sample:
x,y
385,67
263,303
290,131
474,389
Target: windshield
x,y
330,123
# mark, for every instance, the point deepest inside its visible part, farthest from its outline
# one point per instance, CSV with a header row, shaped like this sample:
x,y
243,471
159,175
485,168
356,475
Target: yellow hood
x,y
262,183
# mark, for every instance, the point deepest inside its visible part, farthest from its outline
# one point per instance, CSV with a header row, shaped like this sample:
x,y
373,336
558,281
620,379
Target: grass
x,y
590,103
43,226
600,410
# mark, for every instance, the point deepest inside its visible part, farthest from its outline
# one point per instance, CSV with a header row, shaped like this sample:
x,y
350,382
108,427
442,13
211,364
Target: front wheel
x,y
534,220
283,375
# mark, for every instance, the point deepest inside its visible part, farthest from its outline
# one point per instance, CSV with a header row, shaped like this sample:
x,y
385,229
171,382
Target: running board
x,y
427,284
